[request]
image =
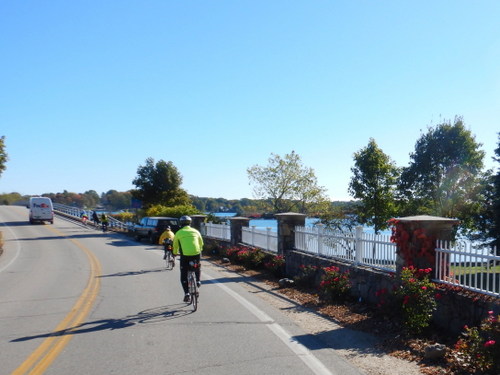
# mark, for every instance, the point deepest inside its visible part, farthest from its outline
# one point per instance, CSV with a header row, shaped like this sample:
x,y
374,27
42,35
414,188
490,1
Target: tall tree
x,y
495,228
443,173
487,219
118,200
288,184
3,155
374,182
159,183
90,199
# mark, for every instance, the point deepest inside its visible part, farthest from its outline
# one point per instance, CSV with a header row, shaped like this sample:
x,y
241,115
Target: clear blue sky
x,y
90,89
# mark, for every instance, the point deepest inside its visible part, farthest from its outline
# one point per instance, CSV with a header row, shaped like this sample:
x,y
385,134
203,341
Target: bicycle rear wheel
x,y
193,289
169,260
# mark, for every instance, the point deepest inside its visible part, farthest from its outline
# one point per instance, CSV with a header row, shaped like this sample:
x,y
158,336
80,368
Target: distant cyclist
x,y
85,217
95,218
104,222
167,240
189,244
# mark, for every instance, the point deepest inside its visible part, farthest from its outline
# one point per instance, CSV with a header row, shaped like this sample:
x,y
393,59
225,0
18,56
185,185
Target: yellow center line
x,y
51,347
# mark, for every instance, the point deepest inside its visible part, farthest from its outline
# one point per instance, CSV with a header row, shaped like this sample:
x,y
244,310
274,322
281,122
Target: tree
x,y
487,220
118,200
374,182
90,199
3,155
159,184
288,184
443,173
495,207
11,198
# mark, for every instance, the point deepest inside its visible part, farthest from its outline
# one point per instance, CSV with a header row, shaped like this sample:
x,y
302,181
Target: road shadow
x,y
154,315
340,339
124,243
19,223
134,273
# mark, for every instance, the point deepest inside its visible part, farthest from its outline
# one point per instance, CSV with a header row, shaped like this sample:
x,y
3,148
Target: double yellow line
x,y
51,347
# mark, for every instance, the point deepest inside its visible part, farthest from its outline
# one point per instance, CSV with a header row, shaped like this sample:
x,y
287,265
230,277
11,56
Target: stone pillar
x,y
237,223
286,230
416,237
197,220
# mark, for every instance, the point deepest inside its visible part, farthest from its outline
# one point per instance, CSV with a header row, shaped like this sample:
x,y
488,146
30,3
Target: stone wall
x,y
456,307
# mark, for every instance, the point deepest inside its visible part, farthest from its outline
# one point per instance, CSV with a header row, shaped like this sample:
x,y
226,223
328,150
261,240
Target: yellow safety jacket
x,y
166,234
189,240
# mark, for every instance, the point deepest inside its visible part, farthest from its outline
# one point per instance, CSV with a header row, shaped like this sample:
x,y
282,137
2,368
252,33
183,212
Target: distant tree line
x,y
445,177
112,200
244,206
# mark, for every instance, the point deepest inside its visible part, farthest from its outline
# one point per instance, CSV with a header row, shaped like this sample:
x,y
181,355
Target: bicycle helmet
x,y
185,220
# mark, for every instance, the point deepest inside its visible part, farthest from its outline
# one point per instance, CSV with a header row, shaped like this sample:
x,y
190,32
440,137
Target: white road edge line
x,y
18,249
300,350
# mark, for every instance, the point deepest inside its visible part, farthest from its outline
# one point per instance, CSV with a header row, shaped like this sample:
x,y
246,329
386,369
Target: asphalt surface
x,y
74,300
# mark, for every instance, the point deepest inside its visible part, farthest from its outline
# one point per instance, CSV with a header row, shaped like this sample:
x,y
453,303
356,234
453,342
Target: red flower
x,y
406,299
489,343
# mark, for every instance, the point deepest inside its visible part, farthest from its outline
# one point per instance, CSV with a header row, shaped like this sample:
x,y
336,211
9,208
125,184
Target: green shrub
x,y
276,264
174,211
416,297
335,284
124,217
250,258
232,252
479,348
306,276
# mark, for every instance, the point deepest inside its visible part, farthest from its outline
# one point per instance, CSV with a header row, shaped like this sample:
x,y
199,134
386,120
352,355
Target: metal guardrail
x,y
76,213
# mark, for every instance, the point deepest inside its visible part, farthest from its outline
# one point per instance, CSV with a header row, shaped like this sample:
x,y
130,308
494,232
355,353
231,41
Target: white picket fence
x,y
359,248
459,263
218,231
263,238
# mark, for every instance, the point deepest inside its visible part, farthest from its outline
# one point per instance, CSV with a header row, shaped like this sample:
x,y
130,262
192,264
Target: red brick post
x,y
416,237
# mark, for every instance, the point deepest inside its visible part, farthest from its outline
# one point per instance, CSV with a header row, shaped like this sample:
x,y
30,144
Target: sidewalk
x,y
357,347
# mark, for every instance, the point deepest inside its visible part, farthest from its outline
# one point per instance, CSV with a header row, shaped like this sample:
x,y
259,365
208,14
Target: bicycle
x,y
169,260
192,284
168,256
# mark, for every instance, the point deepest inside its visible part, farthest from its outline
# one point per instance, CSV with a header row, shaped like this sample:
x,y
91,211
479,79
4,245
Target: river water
x,y
273,223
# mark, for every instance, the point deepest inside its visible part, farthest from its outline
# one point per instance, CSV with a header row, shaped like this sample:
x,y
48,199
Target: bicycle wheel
x,y
193,290
169,260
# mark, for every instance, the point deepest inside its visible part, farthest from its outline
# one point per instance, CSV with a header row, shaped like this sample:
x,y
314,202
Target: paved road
x,y
74,300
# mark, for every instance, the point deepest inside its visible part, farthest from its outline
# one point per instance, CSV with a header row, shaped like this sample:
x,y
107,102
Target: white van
x,y
41,210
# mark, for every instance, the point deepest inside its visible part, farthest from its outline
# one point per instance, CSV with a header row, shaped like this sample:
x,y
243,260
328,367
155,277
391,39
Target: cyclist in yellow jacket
x,y
189,244
166,240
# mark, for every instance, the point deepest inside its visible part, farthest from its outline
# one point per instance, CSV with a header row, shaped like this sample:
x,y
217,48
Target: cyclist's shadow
x,y
163,313
154,315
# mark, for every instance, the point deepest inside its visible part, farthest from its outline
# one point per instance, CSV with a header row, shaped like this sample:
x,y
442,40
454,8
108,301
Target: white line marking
x,y
18,249
300,350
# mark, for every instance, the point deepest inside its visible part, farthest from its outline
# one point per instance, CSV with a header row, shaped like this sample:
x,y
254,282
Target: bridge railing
x,y
76,213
